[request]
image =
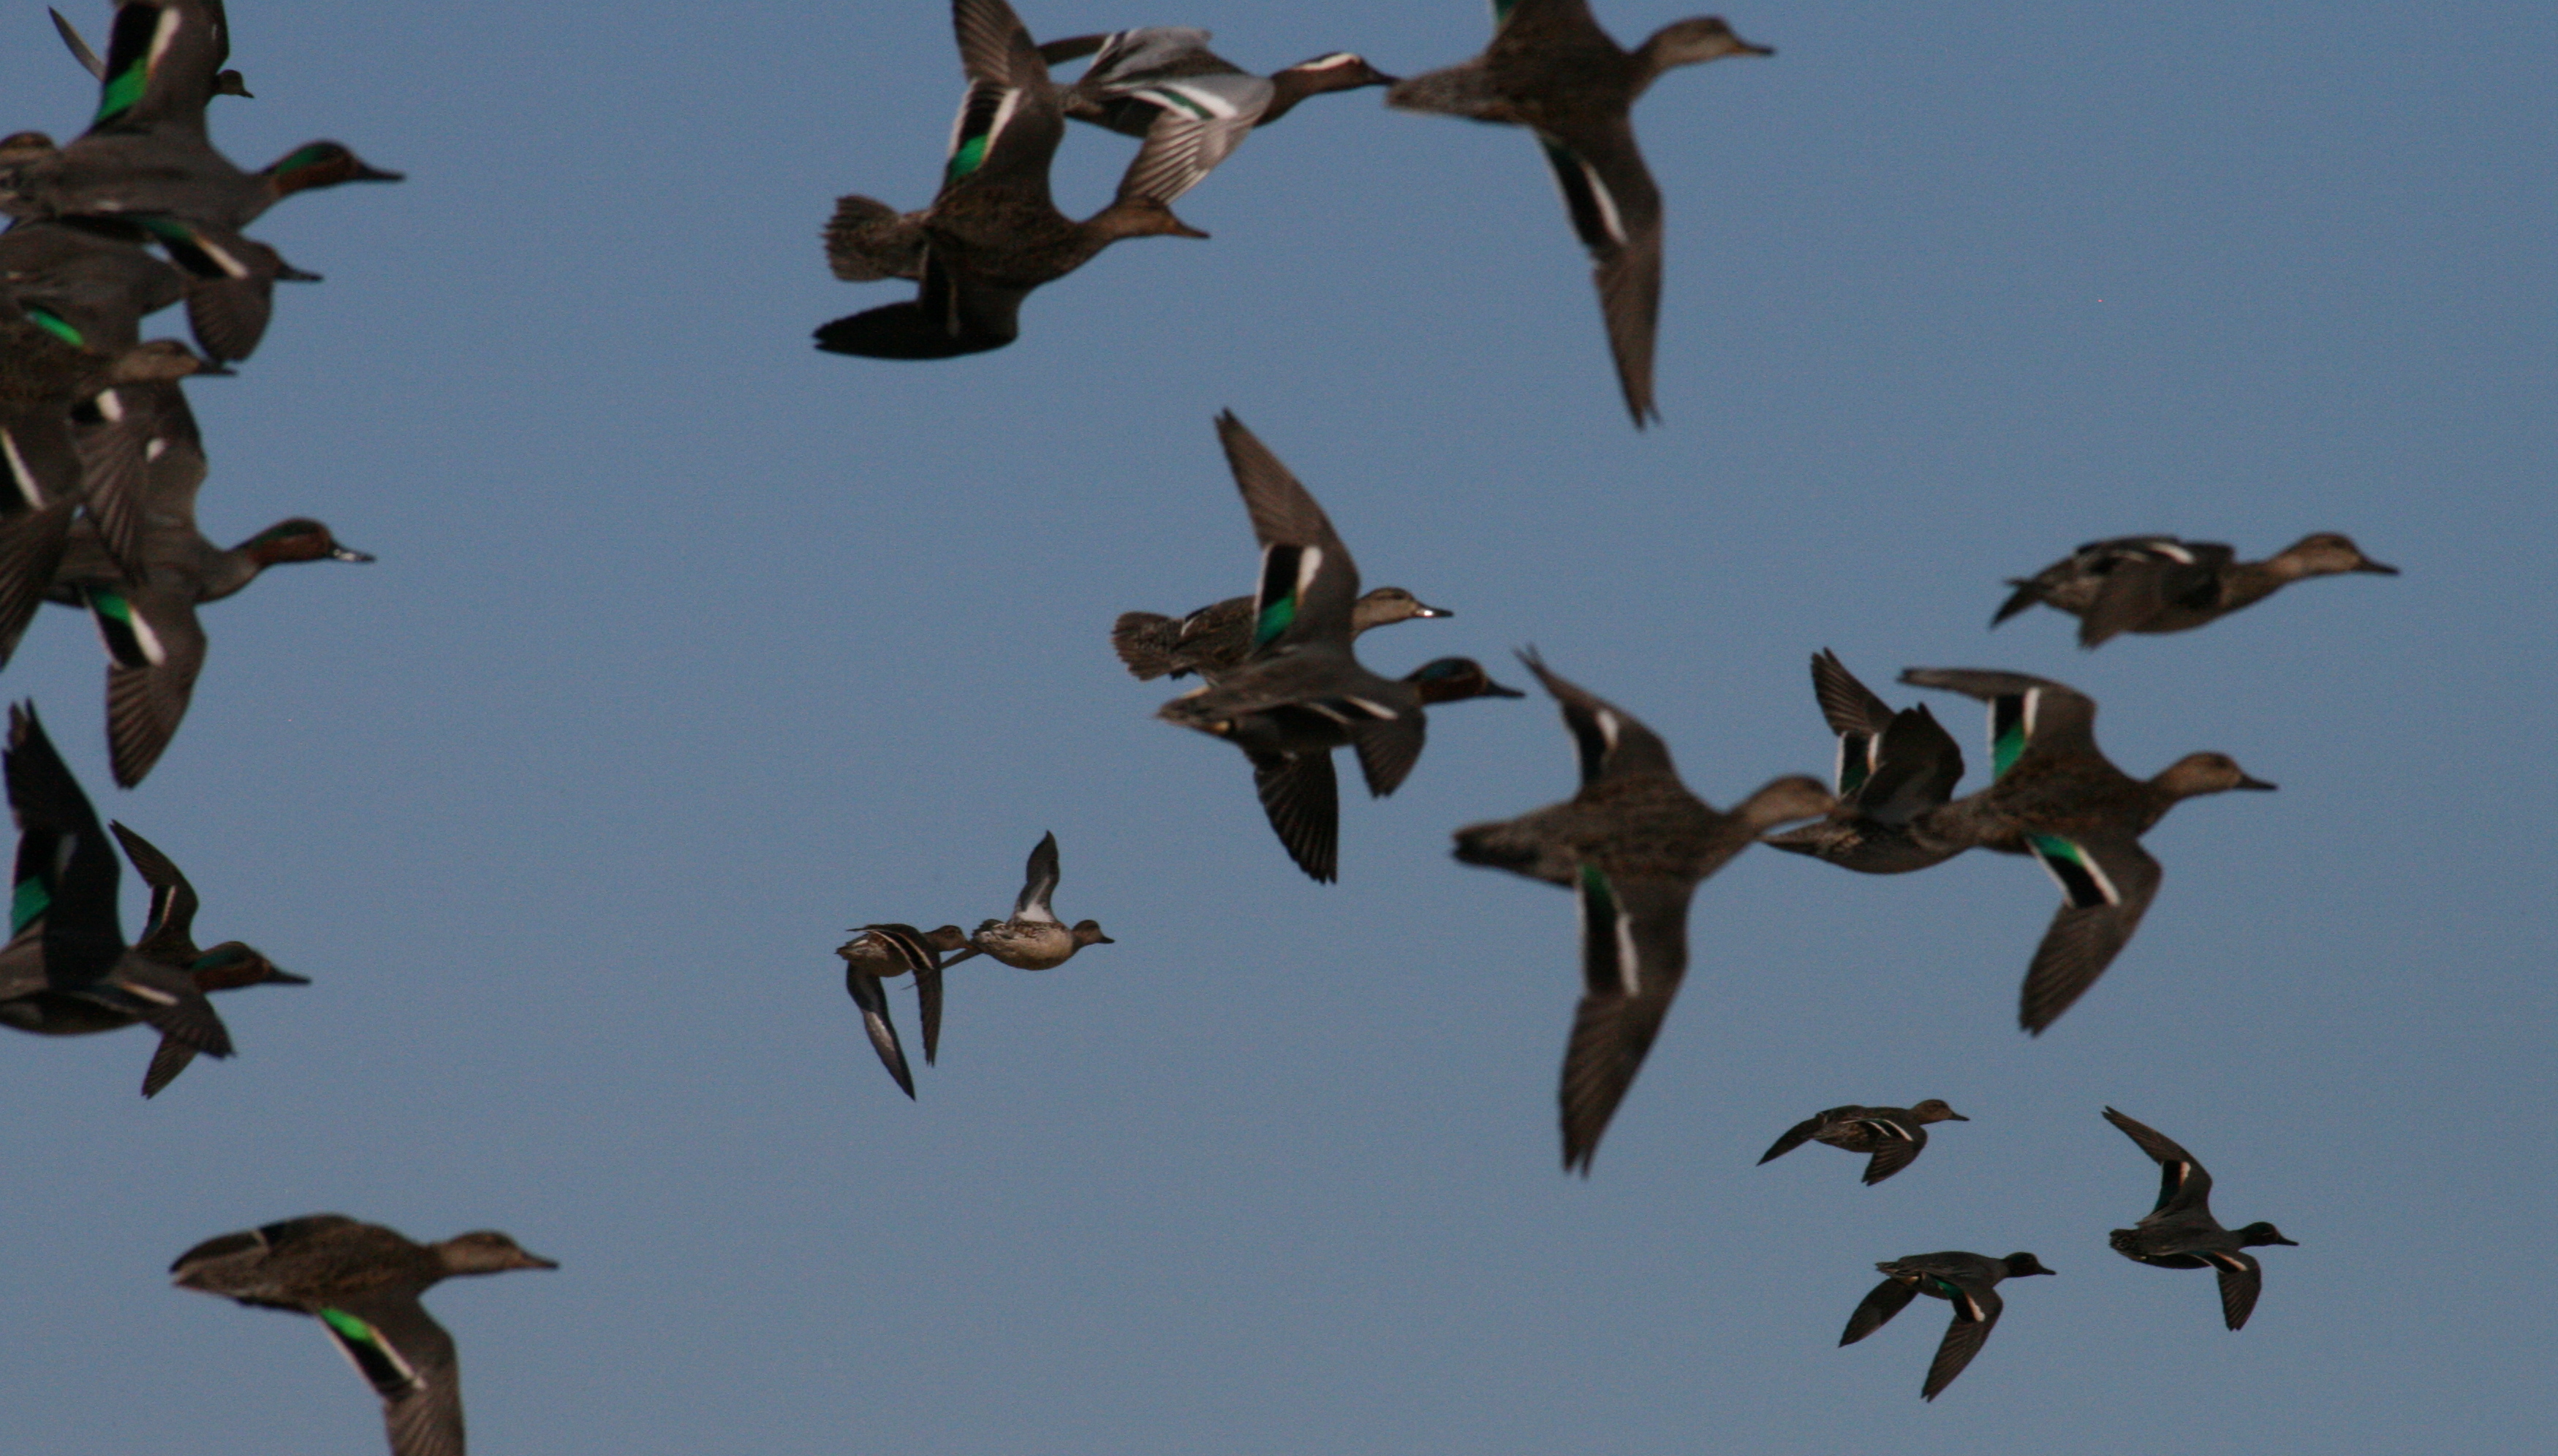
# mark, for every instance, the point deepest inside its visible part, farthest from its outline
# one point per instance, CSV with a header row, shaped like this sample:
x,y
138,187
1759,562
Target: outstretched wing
x,y
1039,883
169,934
2183,1181
2241,1280
1303,803
1793,1137
1616,211
1877,1309
2027,714
2108,883
410,1361
1633,954
1976,1312
869,994
1612,741
1309,583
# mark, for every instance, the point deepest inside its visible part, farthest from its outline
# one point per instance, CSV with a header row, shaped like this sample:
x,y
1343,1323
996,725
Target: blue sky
x,y
689,647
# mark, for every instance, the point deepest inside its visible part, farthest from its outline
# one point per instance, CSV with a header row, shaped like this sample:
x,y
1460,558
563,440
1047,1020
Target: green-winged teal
x,y
2157,584
1302,692
1968,1281
1894,770
1217,639
154,642
2056,797
1895,1135
992,233
1632,843
169,937
362,1282
1032,937
881,952
1193,106
66,968
76,428
165,171
164,62
2179,1233
1552,69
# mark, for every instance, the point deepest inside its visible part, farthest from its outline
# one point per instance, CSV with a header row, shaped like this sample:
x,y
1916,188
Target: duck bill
x,y
2378,569
1424,609
528,1259
1494,689
349,553
278,976
2257,784
366,172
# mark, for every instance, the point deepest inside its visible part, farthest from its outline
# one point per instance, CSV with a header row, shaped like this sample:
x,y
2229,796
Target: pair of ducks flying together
x,y
1030,939
993,234
2179,1231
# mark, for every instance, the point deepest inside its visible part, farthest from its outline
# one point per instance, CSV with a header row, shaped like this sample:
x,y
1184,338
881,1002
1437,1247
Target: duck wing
x,y
410,1361
1389,747
32,544
1848,706
1796,1137
1039,883
1309,583
2138,587
1198,122
1877,1309
1302,800
1914,766
78,45
1613,743
869,994
2108,882
2183,1181
2241,1280
1617,210
65,880
1977,1308
160,68
1633,954
2027,714
156,649
169,932
1008,124
947,318
1899,1147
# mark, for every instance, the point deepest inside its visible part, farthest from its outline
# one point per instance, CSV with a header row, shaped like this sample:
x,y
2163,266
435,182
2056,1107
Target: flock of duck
x,y
140,212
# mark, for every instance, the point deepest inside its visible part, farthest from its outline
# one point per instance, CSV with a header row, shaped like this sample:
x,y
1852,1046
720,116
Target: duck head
x,y
2327,554
1451,678
1693,42
322,164
2261,1231
2021,1264
1934,1110
486,1251
1784,800
1386,604
2206,774
232,964
1088,933
1342,70
299,539
229,84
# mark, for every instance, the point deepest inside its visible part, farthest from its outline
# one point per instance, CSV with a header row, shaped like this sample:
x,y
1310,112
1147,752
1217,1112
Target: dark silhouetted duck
x,y
361,1281
66,968
1632,845
1894,770
1968,1281
2157,584
882,953
169,937
2056,797
1552,69
992,234
2179,1233
1895,1135
1302,692
1193,106
1216,639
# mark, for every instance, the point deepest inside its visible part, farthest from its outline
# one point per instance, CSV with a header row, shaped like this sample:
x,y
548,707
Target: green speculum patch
x,y
121,91
971,156
347,1324
1276,619
56,326
29,900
